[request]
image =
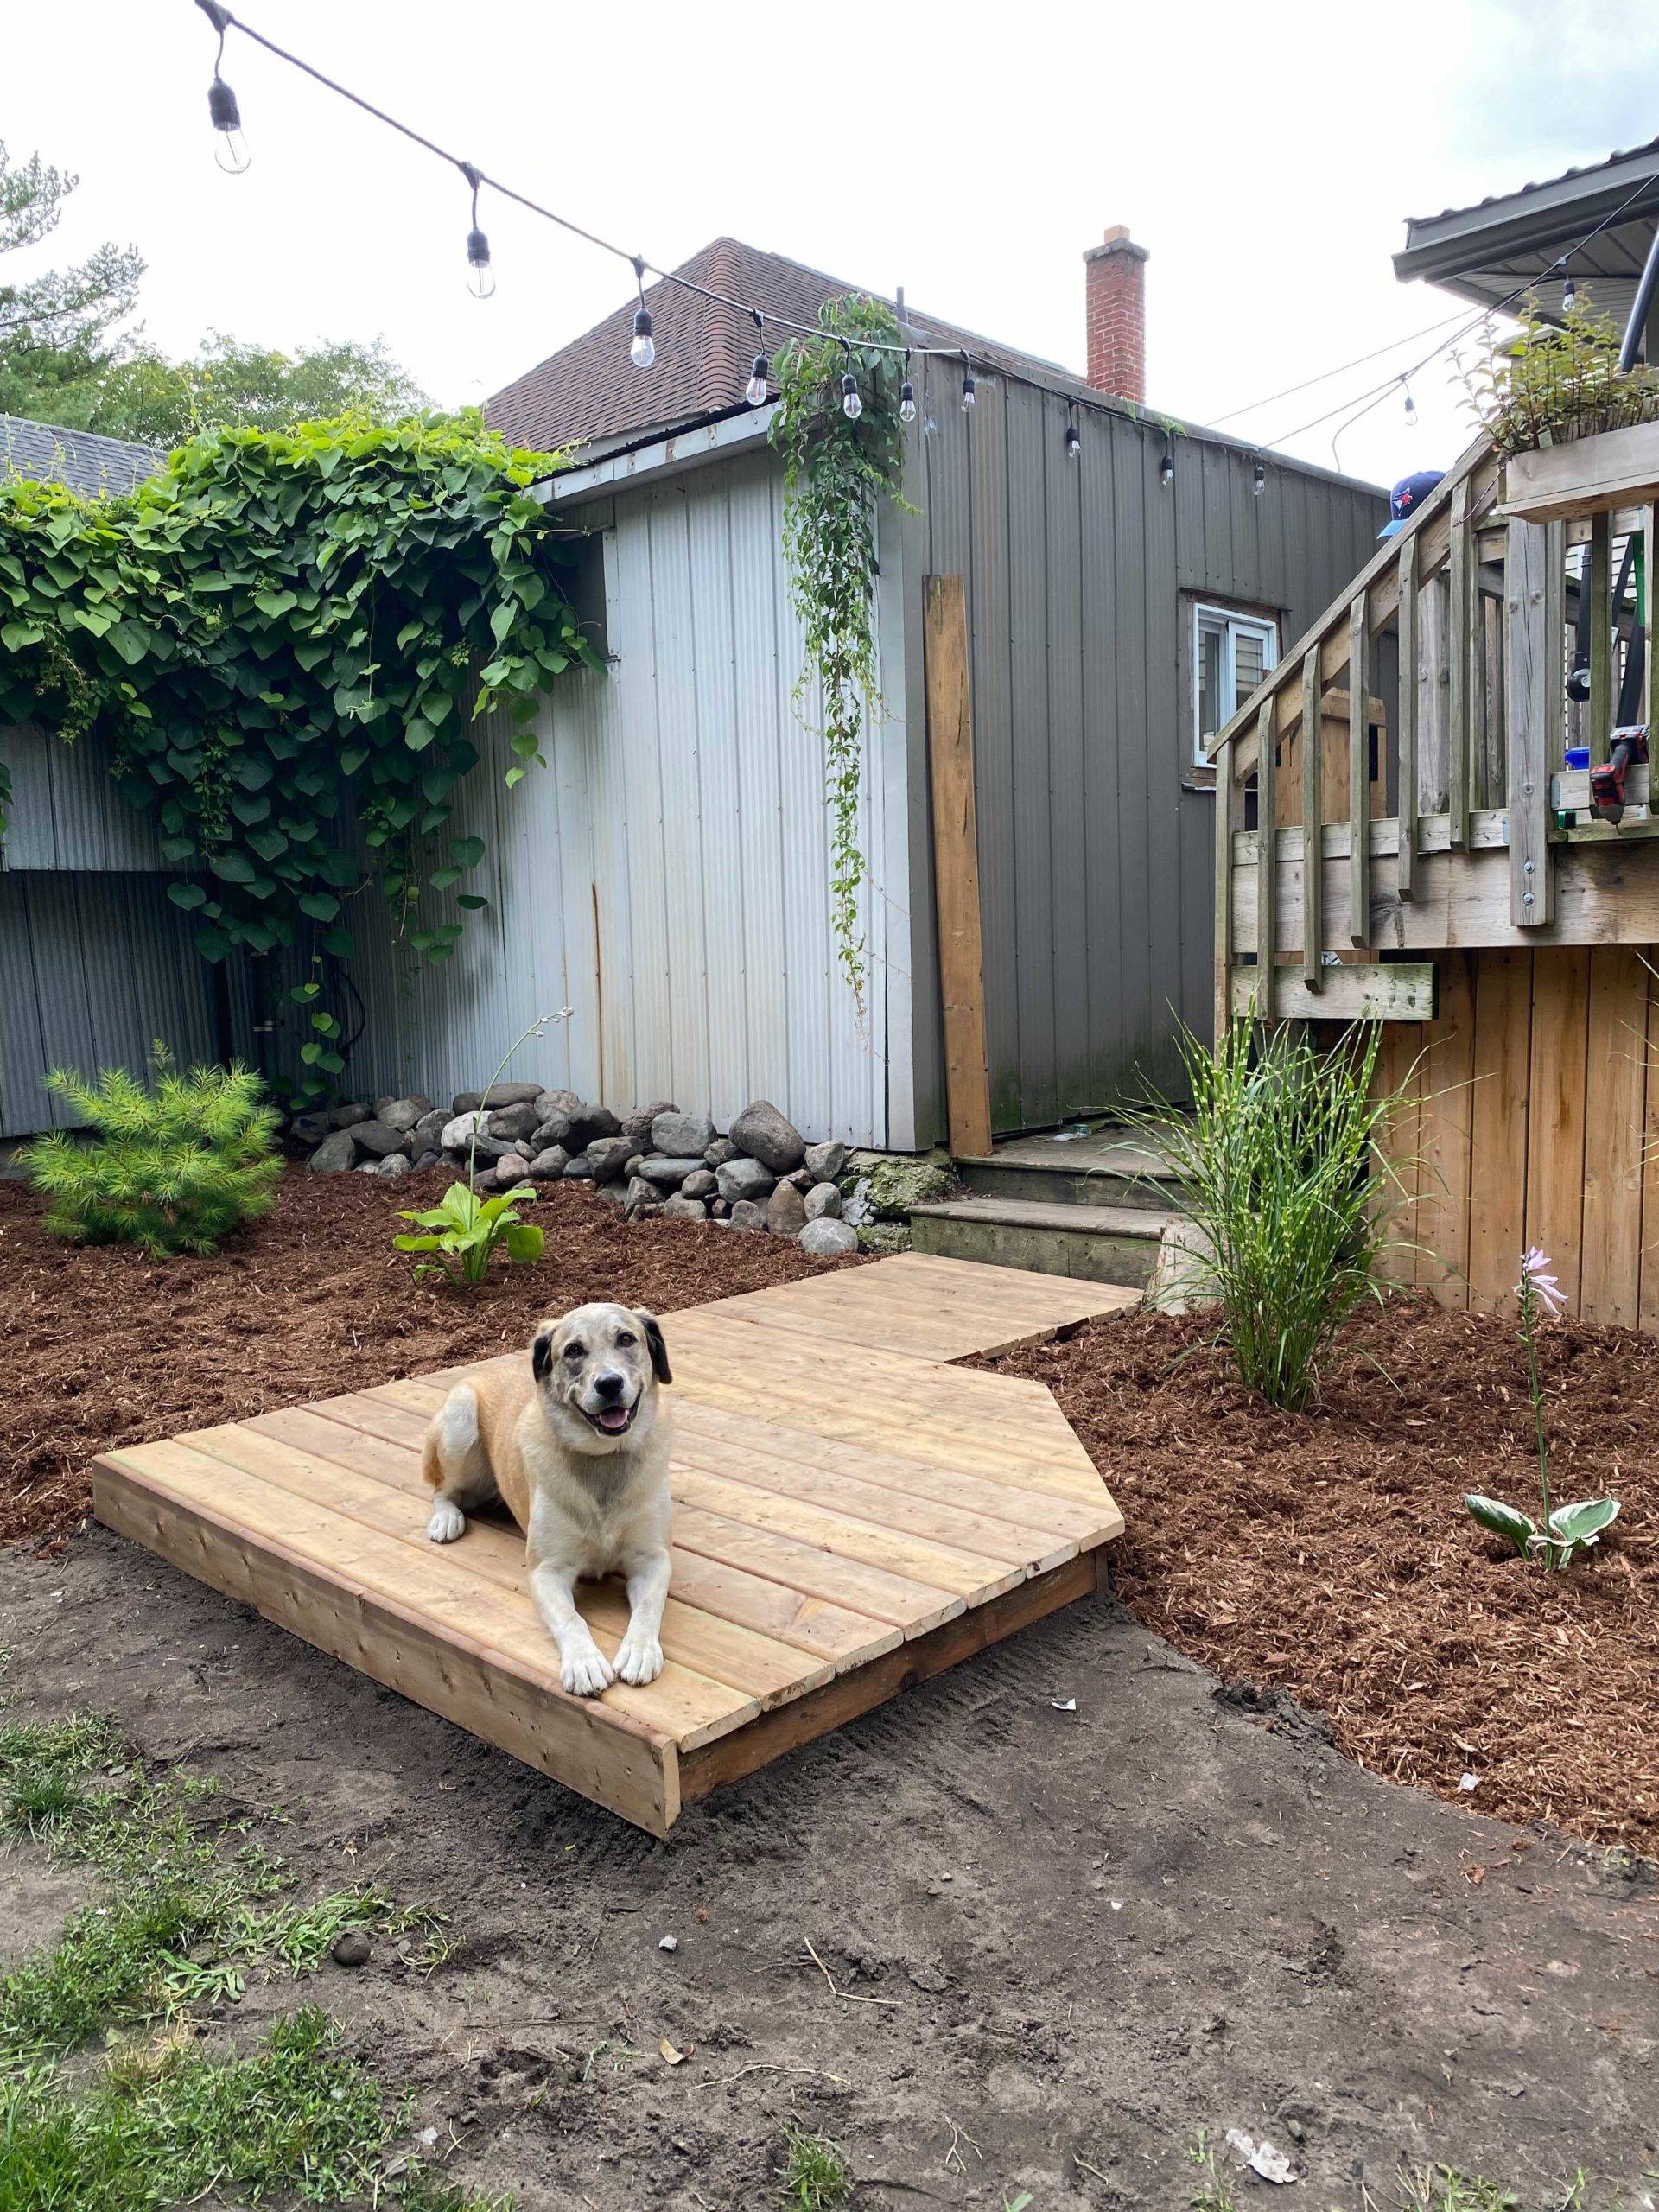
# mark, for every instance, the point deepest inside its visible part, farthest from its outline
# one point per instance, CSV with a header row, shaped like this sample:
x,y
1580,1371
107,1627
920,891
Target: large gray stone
x,y
402,1113
701,1184
643,1198
490,1148
785,1211
349,1112
638,1124
828,1240
553,1128
334,1154
513,1122
669,1175
675,1134
510,1171
579,1170
466,1101
378,1141
743,1178
512,1094
1184,1274
610,1157
762,1132
685,1209
828,1162
394,1165
745,1214
719,1152
427,1133
823,1202
548,1167
310,1129
560,1101
424,1160
587,1122
457,1132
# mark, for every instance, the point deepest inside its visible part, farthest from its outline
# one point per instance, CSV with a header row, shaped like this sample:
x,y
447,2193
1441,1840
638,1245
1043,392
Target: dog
x,y
575,1443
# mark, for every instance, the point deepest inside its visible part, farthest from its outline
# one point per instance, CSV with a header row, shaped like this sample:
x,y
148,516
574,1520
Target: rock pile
x,y
762,1175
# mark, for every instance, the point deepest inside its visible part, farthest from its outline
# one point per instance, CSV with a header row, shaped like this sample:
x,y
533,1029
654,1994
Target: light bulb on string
x,y
907,394
1569,294
969,390
1166,466
231,152
851,405
1411,409
755,391
480,277
1258,479
643,352
1073,438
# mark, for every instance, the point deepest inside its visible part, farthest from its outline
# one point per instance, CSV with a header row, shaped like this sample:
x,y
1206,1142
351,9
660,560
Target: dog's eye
x,y
624,1340
575,1352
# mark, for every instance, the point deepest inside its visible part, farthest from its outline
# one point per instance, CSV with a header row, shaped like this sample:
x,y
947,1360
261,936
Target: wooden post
x,y
1226,815
1267,859
955,866
1530,696
1359,778
1459,624
1650,568
1313,824
1598,577
1406,806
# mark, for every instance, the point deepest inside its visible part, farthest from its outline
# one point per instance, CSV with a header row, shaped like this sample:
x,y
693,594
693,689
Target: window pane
x,y
1212,641
1248,656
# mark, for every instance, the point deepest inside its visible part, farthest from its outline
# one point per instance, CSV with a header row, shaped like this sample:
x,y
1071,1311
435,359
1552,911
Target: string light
x,y
1073,442
1411,407
643,352
1166,466
907,394
755,391
1259,478
969,390
851,405
480,277
231,153
1569,294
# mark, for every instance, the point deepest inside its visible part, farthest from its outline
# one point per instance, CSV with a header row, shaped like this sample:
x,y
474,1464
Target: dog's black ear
x,y
541,1353
653,1329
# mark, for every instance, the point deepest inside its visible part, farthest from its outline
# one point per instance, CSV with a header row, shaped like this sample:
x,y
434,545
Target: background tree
x,y
56,326
234,386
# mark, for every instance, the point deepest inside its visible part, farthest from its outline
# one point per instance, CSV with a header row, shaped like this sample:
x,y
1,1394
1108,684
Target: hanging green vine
x,y
836,470
284,639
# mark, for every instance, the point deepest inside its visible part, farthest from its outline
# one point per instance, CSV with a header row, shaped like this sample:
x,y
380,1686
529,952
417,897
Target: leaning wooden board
x,y
852,1514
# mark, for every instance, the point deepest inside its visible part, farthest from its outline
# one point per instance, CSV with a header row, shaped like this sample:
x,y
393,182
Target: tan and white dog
x,y
574,1442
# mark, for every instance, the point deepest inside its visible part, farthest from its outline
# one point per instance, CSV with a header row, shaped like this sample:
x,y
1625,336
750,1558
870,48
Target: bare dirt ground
x,y
1054,1944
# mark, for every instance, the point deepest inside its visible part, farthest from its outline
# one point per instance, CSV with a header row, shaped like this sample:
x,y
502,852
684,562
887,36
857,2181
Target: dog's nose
x,y
609,1385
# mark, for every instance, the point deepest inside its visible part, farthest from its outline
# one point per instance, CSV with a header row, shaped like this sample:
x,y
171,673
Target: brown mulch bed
x,y
1327,1555
105,1347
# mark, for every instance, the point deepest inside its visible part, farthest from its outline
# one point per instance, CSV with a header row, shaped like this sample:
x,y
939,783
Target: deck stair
x,y
1088,1203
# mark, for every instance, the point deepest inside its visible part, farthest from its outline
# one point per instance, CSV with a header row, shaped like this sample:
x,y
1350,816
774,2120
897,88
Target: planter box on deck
x,y
1585,476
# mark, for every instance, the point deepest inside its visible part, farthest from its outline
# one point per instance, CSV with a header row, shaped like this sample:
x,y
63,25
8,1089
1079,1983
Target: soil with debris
x,y
1327,1556
106,1347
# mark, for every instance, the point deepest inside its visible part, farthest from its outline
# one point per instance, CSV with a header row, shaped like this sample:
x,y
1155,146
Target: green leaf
x,y
1582,1523
188,895
1506,1521
232,867
322,906
524,1241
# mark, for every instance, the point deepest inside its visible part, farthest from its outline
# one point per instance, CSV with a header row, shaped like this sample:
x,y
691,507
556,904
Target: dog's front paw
x,y
638,1658
448,1523
586,1673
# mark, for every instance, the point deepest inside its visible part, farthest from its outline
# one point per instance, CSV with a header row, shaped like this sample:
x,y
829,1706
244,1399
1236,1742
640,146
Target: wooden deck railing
x,y
1455,633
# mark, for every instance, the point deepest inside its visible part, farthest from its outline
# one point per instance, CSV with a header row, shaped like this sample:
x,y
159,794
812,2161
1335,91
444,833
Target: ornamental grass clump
x,y
1275,1161
172,1168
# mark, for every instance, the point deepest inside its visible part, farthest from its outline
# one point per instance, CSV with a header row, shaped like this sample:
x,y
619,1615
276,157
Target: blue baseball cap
x,y
1407,497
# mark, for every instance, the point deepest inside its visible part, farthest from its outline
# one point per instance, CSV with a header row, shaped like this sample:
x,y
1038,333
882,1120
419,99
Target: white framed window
x,y
1231,653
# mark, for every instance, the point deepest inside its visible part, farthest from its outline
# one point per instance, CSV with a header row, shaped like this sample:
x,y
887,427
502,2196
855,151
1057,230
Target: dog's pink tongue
x,y
613,1419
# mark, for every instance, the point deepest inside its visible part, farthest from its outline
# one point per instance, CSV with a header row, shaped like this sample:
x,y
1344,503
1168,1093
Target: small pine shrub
x,y
172,1168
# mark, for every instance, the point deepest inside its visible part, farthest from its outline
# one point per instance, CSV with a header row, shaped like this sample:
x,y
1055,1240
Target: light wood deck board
x,y
843,1498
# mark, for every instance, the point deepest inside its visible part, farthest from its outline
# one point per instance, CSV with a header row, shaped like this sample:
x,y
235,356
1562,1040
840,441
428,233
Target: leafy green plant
x,y
1551,384
173,1168
836,468
815,2174
459,1235
1566,1529
1272,1161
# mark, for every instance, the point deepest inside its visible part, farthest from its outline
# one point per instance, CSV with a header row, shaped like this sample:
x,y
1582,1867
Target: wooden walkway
x,y
851,1514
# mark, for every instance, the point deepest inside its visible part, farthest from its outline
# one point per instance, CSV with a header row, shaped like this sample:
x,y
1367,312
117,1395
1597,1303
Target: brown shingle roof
x,y
589,390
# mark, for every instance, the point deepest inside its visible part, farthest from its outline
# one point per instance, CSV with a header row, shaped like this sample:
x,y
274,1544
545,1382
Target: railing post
x,y
1226,815
1359,779
1459,626
1531,676
1266,860
1313,824
1599,577
1406,808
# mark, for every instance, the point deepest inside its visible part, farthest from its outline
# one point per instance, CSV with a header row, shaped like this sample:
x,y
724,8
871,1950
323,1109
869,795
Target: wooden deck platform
x,y
852,1515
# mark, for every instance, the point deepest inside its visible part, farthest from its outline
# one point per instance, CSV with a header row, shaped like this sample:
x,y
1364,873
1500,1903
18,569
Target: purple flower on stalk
x,y
1537,1269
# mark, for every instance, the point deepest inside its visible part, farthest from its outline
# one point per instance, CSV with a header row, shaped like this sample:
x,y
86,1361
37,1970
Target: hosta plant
x,y
171,1168
1563,1529
460,1233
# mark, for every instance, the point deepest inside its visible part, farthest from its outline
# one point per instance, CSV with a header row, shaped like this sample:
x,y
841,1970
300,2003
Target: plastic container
x,y
1578,756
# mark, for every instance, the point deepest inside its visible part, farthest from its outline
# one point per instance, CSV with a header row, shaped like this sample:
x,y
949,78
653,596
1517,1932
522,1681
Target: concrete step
x,y
1101,1243
1100,1171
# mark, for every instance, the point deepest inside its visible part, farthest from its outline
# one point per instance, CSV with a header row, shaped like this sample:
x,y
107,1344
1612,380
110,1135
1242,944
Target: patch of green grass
x,y
1213,2192
1442,2189
815,2173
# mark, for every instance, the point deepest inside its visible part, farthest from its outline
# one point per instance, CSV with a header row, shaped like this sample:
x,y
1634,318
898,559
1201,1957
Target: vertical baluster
x,y
1360,777
1313,824
1460,623
1531,690
1598,576
1267,861
1406,798
1226,815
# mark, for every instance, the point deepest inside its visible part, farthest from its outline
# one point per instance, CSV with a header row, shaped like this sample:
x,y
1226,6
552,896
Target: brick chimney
x,y
1117,314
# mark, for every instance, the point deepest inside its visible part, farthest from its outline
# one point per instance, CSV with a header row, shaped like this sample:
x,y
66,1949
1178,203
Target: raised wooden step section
x,y
1108,1245
852,1514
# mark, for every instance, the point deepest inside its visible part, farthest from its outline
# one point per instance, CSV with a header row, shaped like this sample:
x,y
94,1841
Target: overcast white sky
x,y
1267,156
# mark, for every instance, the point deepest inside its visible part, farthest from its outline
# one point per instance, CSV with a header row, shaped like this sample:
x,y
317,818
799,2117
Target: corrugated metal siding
x,y
666,877
1095,862
65,813
93,967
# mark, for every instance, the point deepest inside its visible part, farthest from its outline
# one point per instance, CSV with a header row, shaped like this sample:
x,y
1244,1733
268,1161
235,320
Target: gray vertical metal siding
x,y
1095,863
65,813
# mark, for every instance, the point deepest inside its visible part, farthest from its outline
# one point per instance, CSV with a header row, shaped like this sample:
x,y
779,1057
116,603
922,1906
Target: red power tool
x,y
1630,749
